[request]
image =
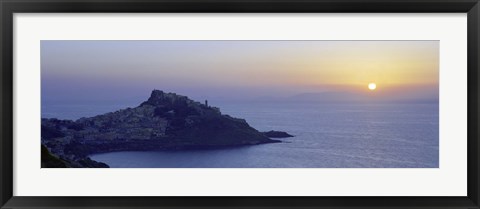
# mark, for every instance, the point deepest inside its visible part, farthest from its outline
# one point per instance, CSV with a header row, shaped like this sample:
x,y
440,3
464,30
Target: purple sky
x,y
126,71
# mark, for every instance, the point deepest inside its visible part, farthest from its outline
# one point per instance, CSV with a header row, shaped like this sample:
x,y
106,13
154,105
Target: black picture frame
x,y
9,7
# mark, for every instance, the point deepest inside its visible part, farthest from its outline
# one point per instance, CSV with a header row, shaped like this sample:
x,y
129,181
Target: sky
x,y
109,71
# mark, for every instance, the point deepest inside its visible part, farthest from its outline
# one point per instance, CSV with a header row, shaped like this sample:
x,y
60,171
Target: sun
x,y
372,86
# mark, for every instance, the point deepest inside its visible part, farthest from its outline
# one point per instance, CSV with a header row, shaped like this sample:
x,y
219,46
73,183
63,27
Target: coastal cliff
x,y
166,121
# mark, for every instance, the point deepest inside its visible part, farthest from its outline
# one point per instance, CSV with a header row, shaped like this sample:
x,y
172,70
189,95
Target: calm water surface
x,y
326,136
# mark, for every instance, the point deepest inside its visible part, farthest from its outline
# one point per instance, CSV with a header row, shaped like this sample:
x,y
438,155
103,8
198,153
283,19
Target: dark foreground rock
x,y
277,134
51,161
166,121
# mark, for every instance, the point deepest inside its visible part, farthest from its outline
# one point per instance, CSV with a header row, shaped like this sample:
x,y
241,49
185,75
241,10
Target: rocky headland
x,y
166,121
277,134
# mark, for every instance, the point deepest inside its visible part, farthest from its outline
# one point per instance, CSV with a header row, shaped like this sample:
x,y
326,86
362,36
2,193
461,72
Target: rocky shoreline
x,y
166,121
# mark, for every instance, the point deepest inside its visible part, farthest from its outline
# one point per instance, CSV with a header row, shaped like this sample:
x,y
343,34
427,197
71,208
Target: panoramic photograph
x,y
239,104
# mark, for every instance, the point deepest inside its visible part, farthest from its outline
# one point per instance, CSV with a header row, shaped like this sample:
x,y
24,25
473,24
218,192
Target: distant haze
x,y
127,71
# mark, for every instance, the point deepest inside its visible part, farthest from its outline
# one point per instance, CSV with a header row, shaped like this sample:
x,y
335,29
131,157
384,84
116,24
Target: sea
x,y
333,135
